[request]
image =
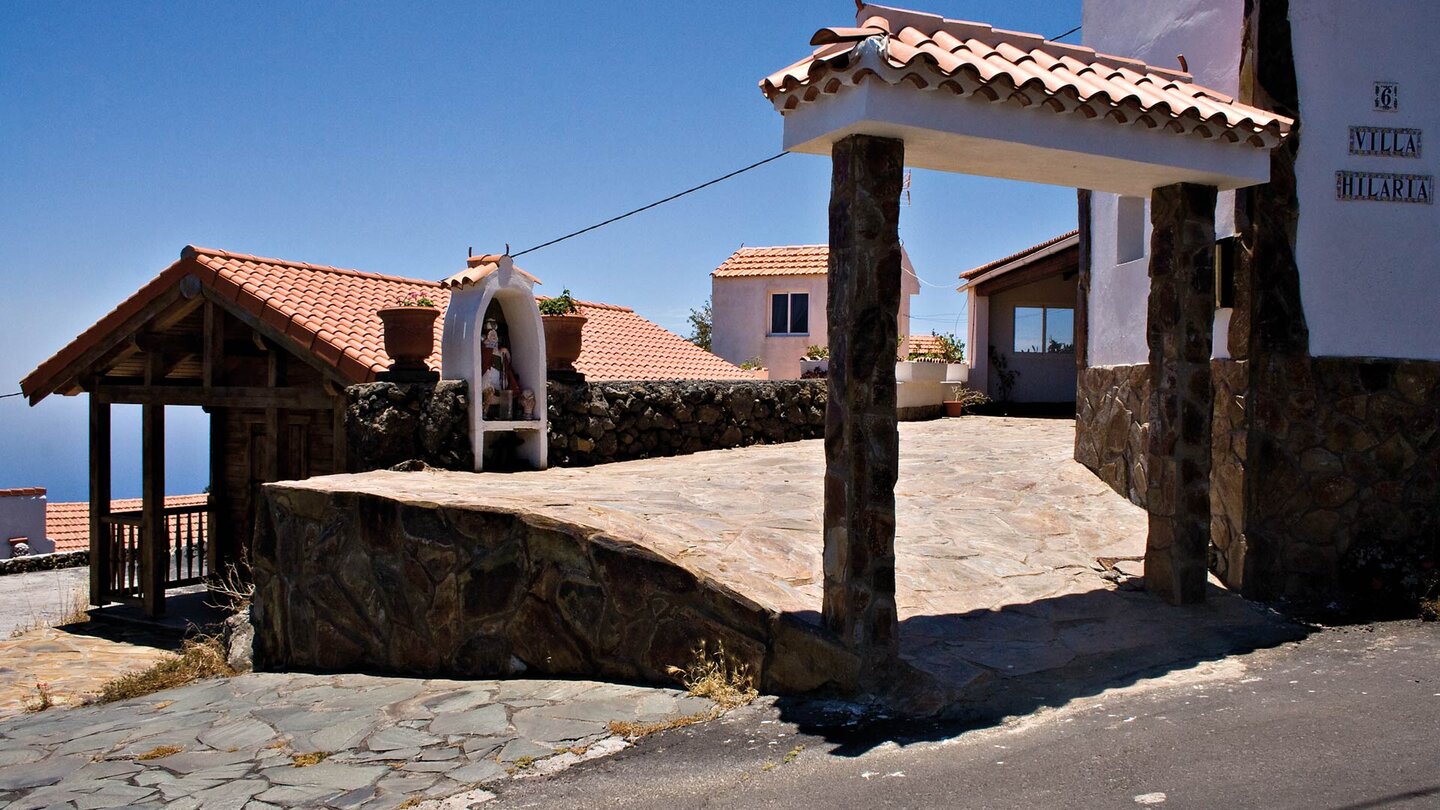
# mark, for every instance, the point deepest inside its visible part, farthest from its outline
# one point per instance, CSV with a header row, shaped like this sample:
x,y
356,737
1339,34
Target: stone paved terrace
x,y
998,535
373,742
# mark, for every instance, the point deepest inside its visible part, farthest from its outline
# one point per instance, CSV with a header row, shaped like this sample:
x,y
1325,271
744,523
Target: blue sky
x,y
391,137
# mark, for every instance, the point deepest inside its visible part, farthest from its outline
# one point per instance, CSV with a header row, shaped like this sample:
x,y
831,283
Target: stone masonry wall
x,y
1344,478
596,423
590,423
44,562
1110,426
349,581
1229,431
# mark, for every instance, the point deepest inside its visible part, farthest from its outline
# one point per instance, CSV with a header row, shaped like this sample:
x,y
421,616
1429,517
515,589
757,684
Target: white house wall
x,y
1369,271
1208,33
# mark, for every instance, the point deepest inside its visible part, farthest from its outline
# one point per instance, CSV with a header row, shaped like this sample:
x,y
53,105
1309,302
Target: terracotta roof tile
x,y
925,344
67,524
22,492
787,260
331,312
978,61
1051,242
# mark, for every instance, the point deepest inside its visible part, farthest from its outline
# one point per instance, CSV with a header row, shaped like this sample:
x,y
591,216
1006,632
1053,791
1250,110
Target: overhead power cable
x,y
7,396
719,179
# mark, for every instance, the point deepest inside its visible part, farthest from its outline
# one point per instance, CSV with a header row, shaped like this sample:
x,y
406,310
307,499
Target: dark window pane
x,y
1029,329
779,308
1059,329
799,312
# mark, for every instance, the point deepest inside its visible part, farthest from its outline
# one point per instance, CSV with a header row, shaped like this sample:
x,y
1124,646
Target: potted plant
x,y
951,352
562,321
962,397
409,332
815,364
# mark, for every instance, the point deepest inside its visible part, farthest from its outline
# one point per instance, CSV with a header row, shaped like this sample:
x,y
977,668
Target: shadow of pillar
x,y
862,448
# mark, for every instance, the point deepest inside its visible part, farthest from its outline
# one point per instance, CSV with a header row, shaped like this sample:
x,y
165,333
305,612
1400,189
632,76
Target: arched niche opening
x,y
494,341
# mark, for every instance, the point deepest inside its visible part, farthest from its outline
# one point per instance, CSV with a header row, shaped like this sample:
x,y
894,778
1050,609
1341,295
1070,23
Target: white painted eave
x,y
969,135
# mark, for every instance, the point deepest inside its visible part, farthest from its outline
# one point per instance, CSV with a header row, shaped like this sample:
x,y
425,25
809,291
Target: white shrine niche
x,y
492,289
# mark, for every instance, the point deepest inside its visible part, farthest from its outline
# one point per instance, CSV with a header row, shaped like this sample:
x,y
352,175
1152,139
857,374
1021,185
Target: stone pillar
x,y
862,446
1181,317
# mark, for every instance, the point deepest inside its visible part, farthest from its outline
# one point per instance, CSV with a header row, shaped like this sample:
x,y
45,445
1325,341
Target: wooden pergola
x,y
276,412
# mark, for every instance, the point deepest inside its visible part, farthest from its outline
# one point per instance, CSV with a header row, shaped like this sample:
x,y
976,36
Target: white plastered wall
x,y
23,516
1208,33
1369,271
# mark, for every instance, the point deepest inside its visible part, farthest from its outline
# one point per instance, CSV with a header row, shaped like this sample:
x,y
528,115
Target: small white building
x,y
768,305
1022,313
22,523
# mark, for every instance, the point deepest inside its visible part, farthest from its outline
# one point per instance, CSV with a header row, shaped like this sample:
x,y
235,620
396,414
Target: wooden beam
x,y
166,344
81,366
1052,265
300,399
218,552
101,563
214,345
154,539
276,336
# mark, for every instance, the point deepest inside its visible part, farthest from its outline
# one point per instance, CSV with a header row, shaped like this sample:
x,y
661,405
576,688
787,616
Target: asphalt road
x,y
40,598
1347,718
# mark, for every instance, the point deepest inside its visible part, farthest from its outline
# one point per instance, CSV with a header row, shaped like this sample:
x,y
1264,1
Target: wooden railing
x,y
188,528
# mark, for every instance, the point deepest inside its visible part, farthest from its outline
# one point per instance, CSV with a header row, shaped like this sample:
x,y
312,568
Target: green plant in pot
x,y
409,325
560,316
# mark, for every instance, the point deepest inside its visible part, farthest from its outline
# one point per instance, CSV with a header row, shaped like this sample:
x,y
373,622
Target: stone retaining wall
x,y
44,562
594,423
590,423
1229,433
1110,426
360,582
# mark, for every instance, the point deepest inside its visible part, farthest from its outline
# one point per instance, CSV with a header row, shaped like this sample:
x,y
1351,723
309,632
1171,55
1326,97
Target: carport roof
x,y
966,58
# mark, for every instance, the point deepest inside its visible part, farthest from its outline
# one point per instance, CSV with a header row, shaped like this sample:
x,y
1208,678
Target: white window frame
x,y
789,311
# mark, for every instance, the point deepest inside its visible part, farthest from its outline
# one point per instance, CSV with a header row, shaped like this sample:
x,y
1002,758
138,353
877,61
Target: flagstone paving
x,y
375,742
71,665
997,539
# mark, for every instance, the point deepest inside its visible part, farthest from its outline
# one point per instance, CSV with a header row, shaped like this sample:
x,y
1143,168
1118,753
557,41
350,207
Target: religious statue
x,y
499,387
527,404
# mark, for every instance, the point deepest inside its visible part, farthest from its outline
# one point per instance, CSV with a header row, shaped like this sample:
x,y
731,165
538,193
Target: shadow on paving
x,y
974,670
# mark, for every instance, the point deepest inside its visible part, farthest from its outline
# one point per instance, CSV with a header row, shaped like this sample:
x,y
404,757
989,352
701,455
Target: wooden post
x,y
862,445
154,538
1179,331
101,563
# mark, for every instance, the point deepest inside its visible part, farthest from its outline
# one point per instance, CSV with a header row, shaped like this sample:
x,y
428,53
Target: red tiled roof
x,y
788,260
978,61
925,344
1017,256
330,312
22,492
68,524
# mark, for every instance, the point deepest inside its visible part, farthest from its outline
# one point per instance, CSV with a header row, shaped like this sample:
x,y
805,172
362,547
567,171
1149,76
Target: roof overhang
x,y
972,99
974,136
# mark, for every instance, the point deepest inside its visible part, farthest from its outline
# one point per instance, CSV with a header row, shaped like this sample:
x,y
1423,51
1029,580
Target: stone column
x,y
862,446
1181,316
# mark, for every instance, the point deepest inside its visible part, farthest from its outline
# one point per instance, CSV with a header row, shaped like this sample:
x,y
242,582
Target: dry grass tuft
x,y
77,611
1430,610
719,676
312,758
633,731
159,752
200,657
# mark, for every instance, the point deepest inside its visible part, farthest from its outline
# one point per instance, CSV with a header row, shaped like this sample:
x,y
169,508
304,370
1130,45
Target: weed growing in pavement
x,y
159,752
312,758
43,699
718,676
200,657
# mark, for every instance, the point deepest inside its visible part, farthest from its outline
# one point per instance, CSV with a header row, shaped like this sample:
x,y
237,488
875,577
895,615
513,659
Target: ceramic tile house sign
x,y
494,341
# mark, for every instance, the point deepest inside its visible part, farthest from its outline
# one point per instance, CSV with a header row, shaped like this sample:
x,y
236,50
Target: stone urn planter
x,y
814,369
409,335
562,340
561,319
